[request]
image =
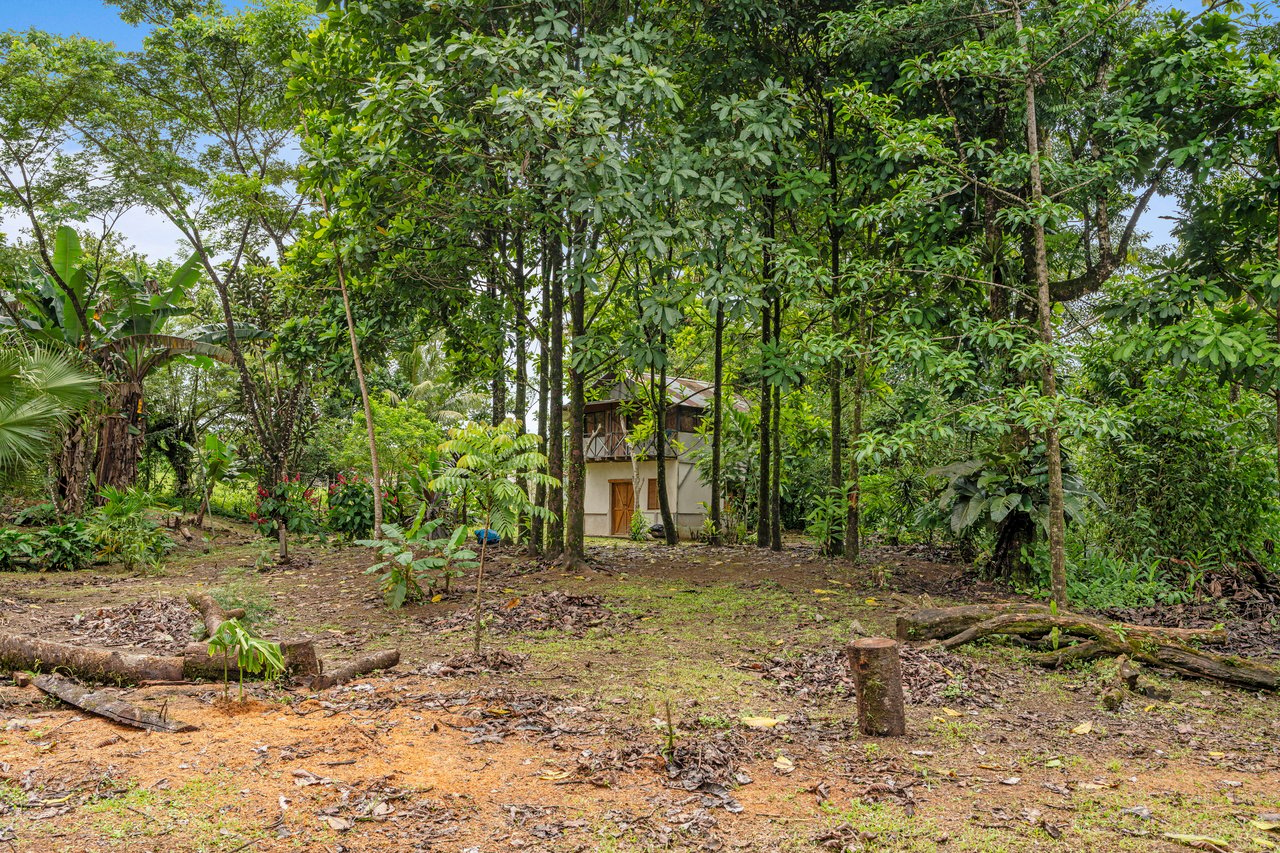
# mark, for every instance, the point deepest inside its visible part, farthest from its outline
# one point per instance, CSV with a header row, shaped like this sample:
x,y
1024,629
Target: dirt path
x,y
567,747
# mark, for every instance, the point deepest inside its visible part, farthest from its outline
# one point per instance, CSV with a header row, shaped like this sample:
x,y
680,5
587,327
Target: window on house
x,y
653,493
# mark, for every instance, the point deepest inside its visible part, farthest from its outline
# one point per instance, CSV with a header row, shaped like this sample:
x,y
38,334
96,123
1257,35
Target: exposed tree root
x,y
1077,637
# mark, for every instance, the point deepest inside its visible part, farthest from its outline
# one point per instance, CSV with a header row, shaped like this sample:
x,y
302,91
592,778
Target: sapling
x,y
253,654
492,467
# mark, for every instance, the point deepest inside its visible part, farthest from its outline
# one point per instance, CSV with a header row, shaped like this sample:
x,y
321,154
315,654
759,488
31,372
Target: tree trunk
x,y
120,436
933,623
766,442
669,533
575,503
364,400
877,678
282,537
1007,564
211,613
73,468
111,665
555,411
836,546
775,488
538,528
717,428
1053,450
358,667
853,518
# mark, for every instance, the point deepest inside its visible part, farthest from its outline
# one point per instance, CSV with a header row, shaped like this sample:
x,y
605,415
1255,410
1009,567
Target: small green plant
x,y
639,531
37,515
217,464
19,550
825,521
404,571
252,654
122,533
65,547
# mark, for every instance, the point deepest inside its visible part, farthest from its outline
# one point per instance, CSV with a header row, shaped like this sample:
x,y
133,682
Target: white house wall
x,y
685,489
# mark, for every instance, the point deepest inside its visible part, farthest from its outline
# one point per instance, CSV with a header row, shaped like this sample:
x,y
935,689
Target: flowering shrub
x,y
351,507
288,501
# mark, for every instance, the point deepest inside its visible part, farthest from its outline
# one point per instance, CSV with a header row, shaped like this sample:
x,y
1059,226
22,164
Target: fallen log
x,y
299,659
299,655
358,667
936,623
211,612
18,651
1166,647
107,705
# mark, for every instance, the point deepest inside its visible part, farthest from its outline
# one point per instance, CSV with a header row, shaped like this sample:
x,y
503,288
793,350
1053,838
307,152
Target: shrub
x,y
351,507
404,572
121,532
65,547
639,531
289,502
19,551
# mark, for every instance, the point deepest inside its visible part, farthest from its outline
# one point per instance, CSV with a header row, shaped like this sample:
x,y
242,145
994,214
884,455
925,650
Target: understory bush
x,y
417,560
122,533
290,502
19,550
1196,472
65,547
351,507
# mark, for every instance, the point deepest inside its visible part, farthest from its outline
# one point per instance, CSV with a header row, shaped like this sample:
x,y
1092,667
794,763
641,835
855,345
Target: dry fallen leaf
x,y
337,824
1084,728
784,765
762,722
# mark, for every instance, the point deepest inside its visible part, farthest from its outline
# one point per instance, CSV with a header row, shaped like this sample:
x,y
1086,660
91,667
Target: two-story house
x,y
618,474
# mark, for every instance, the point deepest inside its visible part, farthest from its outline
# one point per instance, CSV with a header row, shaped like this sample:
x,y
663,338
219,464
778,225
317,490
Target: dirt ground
x,y
560,738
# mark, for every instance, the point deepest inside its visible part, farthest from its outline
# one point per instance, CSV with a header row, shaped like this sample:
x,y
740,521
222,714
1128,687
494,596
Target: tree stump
x,y
877,678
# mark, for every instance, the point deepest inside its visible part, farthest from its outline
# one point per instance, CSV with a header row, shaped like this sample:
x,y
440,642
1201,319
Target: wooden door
x,y
622,502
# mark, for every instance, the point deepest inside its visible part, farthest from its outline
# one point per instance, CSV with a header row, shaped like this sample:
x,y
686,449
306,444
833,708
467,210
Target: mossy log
x,y
1165,647
935,623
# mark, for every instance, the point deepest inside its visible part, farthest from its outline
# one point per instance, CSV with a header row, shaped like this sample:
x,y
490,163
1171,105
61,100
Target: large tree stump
x,y
877,678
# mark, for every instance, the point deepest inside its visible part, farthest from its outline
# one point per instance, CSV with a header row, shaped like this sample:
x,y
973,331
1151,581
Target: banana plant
x,y
126,315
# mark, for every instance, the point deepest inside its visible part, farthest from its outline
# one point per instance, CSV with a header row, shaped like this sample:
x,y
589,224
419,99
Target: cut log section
x,y
358,667
107,705
18,651
1076,637
877,679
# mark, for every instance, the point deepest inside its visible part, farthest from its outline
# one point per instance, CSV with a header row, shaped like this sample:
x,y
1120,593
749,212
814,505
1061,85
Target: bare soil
x,y
558,738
